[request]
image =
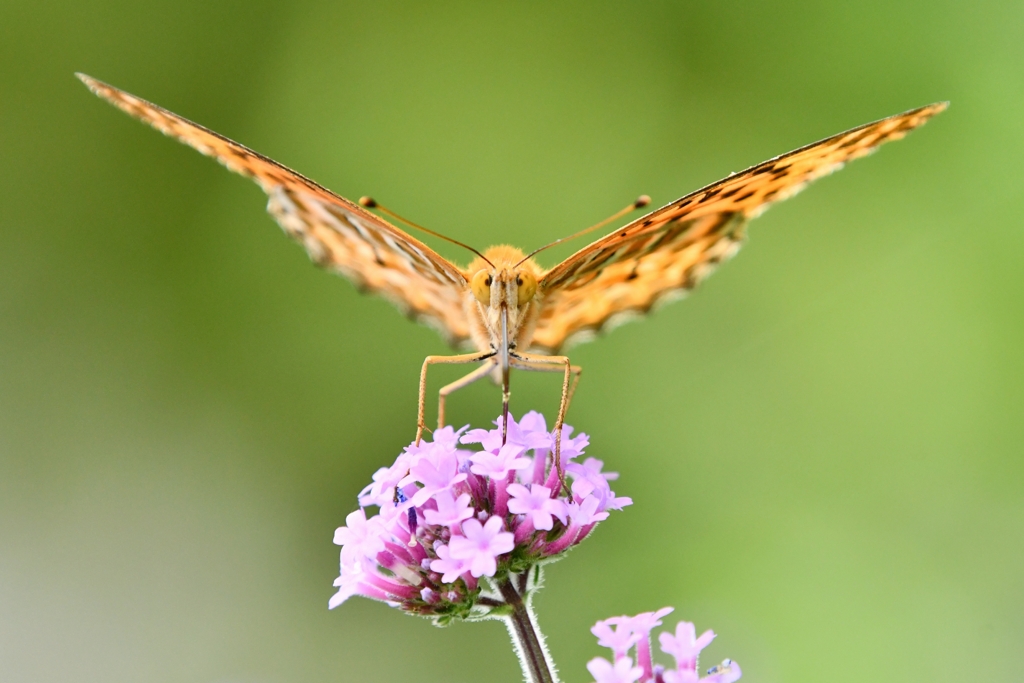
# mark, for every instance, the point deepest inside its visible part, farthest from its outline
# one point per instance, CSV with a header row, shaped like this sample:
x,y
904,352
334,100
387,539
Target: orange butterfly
x,y
513,312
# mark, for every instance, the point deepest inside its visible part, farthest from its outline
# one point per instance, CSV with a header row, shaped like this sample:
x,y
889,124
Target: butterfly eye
x,y
527,287
481,286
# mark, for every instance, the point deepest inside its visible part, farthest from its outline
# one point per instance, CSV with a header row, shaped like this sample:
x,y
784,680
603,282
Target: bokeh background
x,y
823,443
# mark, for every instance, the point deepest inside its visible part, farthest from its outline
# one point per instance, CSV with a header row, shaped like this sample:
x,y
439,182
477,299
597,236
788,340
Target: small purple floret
x,y
481,545
622,671
498,465
537,502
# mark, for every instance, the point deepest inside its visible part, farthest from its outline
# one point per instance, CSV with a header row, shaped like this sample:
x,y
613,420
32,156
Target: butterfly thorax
x,y
504,288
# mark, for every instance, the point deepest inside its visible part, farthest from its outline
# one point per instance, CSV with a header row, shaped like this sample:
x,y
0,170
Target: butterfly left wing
x,y
669,251
337,233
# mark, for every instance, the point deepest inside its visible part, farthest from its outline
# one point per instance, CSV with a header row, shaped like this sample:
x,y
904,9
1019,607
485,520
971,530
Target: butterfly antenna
x,y
371,203
641,201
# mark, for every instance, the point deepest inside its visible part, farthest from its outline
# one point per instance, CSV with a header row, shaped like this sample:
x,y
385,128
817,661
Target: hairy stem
x,y
526,637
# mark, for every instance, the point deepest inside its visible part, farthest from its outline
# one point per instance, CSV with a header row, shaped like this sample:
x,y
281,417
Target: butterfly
x,y
504,306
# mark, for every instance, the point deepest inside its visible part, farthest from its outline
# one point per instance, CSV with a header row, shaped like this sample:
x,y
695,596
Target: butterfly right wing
x,y
337,233
670,250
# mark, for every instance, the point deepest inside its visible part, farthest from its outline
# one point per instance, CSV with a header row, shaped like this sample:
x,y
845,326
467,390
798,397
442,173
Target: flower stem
x,y
526,637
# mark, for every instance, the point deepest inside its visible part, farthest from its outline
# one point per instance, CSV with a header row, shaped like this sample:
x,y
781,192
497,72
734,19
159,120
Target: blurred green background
x,y
823,443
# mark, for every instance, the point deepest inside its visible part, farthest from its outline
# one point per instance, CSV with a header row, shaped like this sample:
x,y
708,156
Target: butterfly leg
x,y
570,379
477,374
441,360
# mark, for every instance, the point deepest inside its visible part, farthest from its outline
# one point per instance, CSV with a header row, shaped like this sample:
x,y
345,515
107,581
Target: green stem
x,y
526,637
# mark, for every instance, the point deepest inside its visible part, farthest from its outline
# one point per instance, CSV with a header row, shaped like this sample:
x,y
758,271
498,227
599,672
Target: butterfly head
x,y
506,285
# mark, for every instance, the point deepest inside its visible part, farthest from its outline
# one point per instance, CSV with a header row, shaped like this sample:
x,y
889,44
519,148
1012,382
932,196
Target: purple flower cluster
x,y
449,516
621,634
